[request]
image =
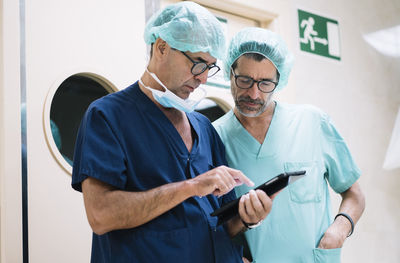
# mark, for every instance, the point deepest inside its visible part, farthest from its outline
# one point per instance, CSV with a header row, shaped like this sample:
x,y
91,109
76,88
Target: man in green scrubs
x,y
264,138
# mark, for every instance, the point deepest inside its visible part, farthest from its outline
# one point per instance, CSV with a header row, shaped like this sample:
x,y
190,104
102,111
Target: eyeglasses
x,y
199,67
246,82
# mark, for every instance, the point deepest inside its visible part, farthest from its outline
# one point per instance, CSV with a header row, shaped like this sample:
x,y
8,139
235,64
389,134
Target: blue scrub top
x,y
300,137
126,141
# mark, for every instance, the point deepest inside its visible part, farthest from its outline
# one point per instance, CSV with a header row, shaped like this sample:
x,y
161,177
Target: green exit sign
x,y
319,35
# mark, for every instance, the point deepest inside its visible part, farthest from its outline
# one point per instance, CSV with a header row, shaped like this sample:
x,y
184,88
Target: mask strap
x,y
154,76
141,82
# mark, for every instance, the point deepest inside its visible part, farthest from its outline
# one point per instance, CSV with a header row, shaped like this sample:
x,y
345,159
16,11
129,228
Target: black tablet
x,y
229,210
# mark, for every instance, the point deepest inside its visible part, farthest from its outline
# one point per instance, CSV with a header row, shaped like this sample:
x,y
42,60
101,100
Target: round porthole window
x,y
64,109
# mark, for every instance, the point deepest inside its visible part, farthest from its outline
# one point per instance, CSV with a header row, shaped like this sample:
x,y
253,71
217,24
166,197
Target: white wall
x,y
10,135
1,124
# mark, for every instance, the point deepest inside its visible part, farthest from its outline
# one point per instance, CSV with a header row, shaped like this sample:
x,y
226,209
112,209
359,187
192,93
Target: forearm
x,y
108,208
113,209
353,202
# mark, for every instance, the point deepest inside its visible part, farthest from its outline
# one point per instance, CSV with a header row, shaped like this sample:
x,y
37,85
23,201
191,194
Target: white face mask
x,y
169,100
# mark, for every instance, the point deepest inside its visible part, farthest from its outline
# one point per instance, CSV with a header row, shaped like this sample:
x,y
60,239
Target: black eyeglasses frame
x,y
252,82
203,66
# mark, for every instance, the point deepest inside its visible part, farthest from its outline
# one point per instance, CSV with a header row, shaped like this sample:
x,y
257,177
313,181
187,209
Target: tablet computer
x,y
230,209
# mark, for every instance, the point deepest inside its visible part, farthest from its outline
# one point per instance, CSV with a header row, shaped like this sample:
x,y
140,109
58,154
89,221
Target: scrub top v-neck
x,y
126,141
244,138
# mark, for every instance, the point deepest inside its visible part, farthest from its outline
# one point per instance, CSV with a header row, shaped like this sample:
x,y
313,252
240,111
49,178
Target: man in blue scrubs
x,y
150,169
264,138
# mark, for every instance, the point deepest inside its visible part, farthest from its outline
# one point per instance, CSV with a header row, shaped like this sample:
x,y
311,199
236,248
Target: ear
x,y
160,48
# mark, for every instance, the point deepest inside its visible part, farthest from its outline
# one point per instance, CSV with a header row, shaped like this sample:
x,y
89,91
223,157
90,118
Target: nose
x,y
202,77
253,92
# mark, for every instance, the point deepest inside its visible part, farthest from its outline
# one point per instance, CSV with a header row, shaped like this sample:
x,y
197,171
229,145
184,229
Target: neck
x,y
147,80
257,126
263,119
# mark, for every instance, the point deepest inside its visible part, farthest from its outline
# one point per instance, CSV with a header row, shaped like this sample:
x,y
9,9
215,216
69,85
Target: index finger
x,y
239,177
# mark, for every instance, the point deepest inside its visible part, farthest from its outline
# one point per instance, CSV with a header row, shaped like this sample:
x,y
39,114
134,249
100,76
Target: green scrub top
x,y
300,137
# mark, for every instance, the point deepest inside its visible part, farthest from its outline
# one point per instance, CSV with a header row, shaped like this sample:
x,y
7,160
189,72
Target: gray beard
x,y
254,114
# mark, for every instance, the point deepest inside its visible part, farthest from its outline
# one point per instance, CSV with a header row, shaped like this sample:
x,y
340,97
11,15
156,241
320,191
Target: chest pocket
x,y
307,189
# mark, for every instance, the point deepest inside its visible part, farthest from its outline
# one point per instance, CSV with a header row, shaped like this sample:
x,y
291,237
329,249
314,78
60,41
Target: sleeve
x,y
342,172
98,152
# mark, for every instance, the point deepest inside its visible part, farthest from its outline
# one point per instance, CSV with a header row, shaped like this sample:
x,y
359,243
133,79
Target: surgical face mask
x,y
168,99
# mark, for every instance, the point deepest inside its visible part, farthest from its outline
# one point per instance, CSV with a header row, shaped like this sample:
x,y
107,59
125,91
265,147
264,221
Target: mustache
x,y
248,99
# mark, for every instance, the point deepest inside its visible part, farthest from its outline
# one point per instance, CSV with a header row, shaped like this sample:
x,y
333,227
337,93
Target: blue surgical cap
x,y
187,26
264,42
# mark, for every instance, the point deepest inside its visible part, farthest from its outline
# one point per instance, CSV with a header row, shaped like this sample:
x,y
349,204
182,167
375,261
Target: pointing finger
x,y
240,178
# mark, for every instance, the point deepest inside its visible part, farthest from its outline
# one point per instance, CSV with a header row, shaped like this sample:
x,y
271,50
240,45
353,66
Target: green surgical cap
x,y
187,26
264,42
